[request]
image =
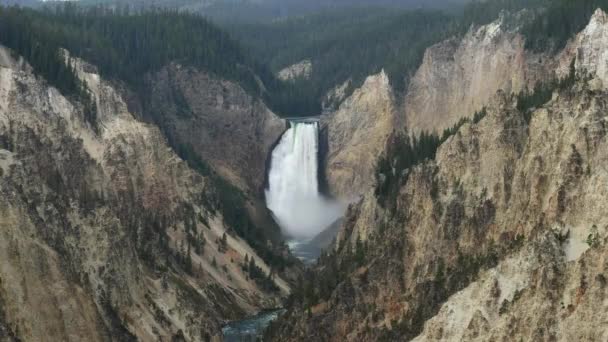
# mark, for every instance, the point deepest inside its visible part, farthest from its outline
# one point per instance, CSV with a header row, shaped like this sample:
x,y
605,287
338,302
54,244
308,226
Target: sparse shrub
x,y
593,239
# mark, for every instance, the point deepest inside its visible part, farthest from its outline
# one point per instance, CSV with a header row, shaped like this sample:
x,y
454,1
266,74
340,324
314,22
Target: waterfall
x,y
293,190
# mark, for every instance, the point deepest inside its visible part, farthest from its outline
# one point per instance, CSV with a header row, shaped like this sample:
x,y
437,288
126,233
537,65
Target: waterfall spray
x,y
293,190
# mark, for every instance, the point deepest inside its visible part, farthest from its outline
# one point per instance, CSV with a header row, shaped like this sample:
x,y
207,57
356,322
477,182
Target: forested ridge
x,y
560,20
351,44
41,48
252,11
124,45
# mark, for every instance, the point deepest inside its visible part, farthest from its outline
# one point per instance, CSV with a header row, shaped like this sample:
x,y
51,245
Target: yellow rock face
x,y
357,133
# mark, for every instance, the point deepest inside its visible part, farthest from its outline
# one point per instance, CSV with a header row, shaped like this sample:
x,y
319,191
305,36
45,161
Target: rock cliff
x,y
301,70
220,128
552,284
459,76
107,234
356,134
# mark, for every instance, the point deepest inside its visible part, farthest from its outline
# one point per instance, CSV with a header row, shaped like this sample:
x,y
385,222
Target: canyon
x,y
173,212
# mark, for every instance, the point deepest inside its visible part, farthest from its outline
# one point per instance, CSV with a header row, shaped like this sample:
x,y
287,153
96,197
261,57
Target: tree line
x,y
122,44
352,44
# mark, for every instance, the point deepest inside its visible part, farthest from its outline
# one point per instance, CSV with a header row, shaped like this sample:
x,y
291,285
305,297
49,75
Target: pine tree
x,y
252,267
222,244
359,252
188,261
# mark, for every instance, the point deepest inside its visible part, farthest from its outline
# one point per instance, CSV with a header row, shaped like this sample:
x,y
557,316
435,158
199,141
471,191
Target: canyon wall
x,y
500,237
501,217
459,76
106,233
456,78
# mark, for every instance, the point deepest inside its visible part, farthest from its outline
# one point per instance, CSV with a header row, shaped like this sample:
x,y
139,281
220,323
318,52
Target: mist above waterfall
x,y
293,190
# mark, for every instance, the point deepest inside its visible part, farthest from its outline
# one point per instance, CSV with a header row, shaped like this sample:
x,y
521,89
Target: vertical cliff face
x,y
108,235
500,237
459,76
357,133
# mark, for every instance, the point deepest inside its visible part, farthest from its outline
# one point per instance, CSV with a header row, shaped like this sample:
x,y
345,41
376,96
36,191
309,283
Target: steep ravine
x,y
304,213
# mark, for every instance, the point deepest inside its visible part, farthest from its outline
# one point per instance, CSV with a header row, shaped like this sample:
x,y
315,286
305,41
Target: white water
x,y
293,190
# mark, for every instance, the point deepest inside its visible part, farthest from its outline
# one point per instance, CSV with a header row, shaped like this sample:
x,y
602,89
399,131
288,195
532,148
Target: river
x,y
249,329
